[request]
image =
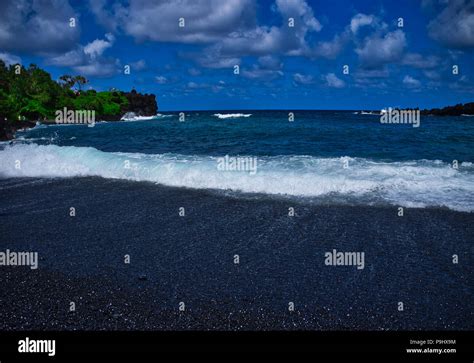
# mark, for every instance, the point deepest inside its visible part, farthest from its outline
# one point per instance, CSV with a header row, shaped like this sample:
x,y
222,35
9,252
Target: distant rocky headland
x,y
29,95
457,110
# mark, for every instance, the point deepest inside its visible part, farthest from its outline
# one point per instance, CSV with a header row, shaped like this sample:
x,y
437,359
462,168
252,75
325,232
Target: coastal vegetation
x,y
29,94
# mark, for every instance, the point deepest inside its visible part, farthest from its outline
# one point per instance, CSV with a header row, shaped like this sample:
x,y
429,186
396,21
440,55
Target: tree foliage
x,y
30,93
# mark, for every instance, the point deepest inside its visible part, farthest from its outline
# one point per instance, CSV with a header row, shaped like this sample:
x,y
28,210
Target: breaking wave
x,y
232,115
419,183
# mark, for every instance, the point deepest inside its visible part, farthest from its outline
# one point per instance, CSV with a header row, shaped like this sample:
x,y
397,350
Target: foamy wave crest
x,y
232,115
413,183
131,116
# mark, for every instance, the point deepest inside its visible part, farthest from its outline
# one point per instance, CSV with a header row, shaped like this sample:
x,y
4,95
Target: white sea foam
x,y
131,116
418,183
232,115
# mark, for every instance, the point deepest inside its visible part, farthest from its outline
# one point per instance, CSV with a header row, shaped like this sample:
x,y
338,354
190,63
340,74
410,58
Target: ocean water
x,y
330,157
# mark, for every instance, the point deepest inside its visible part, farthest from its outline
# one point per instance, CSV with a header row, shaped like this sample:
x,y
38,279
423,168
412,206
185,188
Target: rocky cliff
x,y
141,104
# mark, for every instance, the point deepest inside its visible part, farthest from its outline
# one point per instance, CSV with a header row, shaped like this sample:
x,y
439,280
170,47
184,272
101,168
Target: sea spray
x,y
418,183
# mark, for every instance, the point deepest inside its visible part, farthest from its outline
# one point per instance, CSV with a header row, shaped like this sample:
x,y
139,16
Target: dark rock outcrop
x,y
8,128
141,104
457,110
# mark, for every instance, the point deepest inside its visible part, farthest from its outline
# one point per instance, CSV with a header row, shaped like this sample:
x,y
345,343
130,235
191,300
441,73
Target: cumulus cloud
x,y
454,26
98,46
264,74
433,75
197,86
194,85
161,80
259,41
268,68
204,20
89,60
211,57
107,15
331,49
303,79
333,81
264,40
98,69
372,73
418,61
377,50
411,82
138,65
360,20
299,9
228,27
40,27
270,62
10,59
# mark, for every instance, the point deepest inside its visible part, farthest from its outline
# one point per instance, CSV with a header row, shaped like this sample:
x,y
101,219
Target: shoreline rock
x,y
8,128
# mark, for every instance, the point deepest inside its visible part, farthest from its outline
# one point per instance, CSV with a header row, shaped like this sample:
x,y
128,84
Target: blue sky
x,y
280,66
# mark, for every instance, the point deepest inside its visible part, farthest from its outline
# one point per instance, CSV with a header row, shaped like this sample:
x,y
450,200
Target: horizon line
x,y
279,109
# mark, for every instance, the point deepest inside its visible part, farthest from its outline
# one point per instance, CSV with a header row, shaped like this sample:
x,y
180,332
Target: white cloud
x,y
411,82
372,73
105,14
331,49
88,60
454,26
204,20
361,20
211,57
195,85
40,27
257,72
161,80
301,11
433,75
10,59
268,68
230,39
270,62
377,50
418,61
98,46
303,79
97,69
138,65
333,81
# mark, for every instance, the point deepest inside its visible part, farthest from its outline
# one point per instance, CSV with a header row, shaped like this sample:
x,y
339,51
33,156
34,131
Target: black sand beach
x,y
190,259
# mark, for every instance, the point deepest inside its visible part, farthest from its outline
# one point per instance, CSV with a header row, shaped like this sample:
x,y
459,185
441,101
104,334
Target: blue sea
x,y
332,157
